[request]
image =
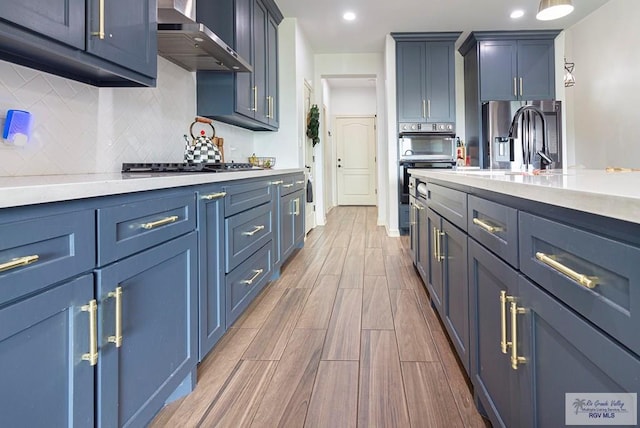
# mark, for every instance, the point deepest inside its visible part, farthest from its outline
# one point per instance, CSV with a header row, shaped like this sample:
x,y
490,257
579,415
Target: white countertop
x,y
610,194
19,191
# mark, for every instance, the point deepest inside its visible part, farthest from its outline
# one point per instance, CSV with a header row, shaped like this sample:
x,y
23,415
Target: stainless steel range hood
x,y
192,45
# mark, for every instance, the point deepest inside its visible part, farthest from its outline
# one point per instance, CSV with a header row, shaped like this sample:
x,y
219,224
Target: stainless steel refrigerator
x,y
502,153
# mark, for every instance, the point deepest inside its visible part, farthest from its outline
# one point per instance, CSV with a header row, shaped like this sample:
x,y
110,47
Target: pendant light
x,y
553,9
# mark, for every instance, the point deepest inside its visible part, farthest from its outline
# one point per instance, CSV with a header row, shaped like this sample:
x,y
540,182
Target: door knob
x,y
339,166
339,159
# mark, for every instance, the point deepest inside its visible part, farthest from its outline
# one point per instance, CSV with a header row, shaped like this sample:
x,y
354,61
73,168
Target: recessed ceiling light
x,y
519,13
349,16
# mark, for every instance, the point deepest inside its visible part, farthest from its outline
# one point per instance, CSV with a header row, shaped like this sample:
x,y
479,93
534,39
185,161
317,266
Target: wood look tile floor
x,y
346,337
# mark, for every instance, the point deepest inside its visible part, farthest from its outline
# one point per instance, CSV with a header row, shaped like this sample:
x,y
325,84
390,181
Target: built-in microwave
x,y
427,143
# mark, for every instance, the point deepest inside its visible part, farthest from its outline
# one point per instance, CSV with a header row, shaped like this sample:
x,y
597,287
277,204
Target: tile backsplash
x,y
78,128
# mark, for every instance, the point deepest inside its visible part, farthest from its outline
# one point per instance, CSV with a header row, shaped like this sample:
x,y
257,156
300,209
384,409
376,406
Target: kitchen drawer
x,y
450,204
245,282
609,266
38,252
241,197
495,226
134,225
292,183
245,233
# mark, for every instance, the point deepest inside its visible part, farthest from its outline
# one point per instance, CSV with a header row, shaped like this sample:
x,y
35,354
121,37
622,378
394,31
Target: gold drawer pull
x,y
504,345
162,222
515,359
286,186
300,182
440,235
435,243
17,262
486,226
584,280
92,355
296,204
213,196
254,231
257,273
275,183
117,338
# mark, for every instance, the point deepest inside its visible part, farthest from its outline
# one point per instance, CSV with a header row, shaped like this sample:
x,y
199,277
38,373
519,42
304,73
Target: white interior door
x,y
356,160
309,163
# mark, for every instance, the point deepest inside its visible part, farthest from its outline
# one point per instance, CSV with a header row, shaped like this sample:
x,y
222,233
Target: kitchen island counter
x,y
609,194
29,190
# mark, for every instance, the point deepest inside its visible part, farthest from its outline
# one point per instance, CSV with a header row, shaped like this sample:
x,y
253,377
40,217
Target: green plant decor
x,y
313,124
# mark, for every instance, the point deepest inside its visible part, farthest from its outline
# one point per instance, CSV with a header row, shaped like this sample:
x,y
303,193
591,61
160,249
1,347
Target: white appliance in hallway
x,y
356,160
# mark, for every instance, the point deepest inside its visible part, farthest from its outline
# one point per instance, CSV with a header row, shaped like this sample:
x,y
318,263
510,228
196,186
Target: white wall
x,y
328,151
354,65
603,105
389,182
78,128
353,101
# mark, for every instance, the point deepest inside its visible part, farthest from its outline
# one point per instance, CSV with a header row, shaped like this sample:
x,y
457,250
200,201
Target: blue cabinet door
x,y
260,61
440,82
211,288
130,34
536,69
498,70
159,331
298,218
44,381
411,63
422,238
272,72
61,20
456,288
563,353
490,371
434,271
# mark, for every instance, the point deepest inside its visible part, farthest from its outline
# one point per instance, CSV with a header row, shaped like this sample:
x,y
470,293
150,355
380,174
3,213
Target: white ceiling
x,y
321,20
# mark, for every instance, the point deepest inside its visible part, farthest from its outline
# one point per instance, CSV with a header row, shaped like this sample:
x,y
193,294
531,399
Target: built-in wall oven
x,y
422,145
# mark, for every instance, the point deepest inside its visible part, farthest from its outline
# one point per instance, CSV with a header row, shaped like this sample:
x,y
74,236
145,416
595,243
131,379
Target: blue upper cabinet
x,y
110,46
425,77
512,65
248,100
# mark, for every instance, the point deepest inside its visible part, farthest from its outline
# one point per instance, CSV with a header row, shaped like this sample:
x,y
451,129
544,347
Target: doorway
x,y
356,160
309,164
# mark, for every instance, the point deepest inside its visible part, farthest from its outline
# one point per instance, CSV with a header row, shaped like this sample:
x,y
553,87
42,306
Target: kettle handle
x,y
200,119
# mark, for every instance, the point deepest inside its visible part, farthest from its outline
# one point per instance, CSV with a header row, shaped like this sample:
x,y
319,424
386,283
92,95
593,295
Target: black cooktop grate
x,y
186,167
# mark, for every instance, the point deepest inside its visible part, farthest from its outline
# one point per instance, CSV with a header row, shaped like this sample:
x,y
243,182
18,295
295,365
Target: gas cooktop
x,y
186,167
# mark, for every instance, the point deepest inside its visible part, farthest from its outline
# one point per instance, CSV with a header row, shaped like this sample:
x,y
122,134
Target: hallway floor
x,y
345,337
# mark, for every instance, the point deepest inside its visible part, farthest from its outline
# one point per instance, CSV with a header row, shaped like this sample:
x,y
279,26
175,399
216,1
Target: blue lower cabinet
x,y
563,353
44,381
291,223
156,291
490,369
211,322
245,282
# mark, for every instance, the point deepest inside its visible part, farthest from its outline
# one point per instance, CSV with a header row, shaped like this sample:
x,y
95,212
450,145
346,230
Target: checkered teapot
x,y
201,149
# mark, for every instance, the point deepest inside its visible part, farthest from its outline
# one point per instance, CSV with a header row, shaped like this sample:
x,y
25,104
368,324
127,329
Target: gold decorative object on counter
x,y
262,162
618,169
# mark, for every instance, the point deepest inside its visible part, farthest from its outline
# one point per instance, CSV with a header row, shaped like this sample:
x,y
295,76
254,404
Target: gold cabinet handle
x,y
424,109
255,99
504,345
515,87
100,32
521,86
296,203
162,222
486,226
254,231
515,359
584,280
257,273
117,338
286,186
275,183
212,196
440,238
434,236
300,182
428,108
268,107
19,261
92,355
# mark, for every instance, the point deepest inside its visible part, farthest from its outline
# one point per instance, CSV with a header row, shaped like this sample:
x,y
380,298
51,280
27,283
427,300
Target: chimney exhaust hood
x,y
192,45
